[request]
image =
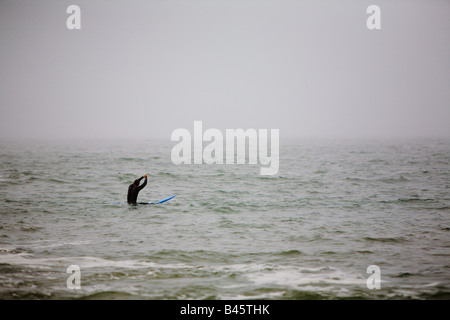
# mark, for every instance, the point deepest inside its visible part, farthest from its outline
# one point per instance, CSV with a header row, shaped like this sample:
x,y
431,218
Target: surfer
x,y
134,189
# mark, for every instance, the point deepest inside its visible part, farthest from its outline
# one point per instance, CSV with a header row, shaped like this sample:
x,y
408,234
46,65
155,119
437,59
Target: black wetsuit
x,y
133,191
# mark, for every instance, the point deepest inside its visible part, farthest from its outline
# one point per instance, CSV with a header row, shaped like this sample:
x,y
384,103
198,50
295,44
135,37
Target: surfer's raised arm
x,y
145,182
144,176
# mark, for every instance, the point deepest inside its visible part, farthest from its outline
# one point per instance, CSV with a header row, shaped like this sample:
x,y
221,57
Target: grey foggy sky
x,y
146,68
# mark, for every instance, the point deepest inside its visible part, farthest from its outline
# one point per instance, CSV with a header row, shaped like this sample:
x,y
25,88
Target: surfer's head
x,y
136,182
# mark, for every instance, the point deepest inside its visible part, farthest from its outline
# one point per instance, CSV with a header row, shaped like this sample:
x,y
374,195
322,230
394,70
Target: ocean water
x,y
335,208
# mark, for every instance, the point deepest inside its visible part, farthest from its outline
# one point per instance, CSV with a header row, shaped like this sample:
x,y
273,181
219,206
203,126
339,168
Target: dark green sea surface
x,y
335,208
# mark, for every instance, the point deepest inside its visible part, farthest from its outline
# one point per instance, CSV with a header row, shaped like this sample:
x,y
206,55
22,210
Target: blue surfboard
x,y
161,201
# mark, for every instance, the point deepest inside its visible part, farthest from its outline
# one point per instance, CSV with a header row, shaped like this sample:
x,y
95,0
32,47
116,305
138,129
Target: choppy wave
x,y
385,239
